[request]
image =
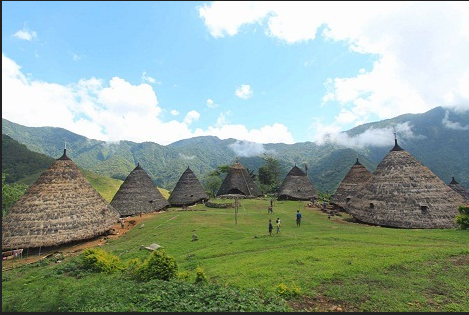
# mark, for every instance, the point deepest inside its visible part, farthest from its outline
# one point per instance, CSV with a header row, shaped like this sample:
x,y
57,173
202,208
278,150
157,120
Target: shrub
x,y
286,292
158,266
98,260
200,275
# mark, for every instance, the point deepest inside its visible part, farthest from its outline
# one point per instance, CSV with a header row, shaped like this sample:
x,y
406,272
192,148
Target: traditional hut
x,y
457,187
239,182
296,186
60,207
188,190
138,194
356,177
403,193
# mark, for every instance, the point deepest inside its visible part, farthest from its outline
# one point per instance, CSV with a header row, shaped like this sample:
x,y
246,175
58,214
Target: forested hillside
x,y
438,138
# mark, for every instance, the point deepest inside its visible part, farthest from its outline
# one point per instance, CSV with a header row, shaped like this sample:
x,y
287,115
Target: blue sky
x,y
260,72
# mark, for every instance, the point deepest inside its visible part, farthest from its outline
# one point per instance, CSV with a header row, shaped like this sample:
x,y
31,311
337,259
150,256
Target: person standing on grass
x,y
271,227
298,217
278,225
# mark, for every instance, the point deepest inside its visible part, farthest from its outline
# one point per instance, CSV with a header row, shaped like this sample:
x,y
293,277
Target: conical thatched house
x,y
403,193
457,187
296,186
356,177
138,194
238,182
60,207
188,190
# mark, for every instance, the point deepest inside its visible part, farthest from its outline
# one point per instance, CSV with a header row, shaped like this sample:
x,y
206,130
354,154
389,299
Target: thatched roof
x,y
238,182
60,207
404,193
138,194
457,187
356,177
296,186
188,190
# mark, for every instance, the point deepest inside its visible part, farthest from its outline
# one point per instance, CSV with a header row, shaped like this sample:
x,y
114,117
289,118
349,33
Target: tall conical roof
x,y
296,186
404,193
188,190
238,182
457,187
60,207
138,194
356,177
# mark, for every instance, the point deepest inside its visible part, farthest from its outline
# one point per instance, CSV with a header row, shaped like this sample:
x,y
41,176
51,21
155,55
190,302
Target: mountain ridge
x,y
423,135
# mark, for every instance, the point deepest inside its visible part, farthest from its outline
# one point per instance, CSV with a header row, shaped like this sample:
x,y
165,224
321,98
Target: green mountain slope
x,y
428,138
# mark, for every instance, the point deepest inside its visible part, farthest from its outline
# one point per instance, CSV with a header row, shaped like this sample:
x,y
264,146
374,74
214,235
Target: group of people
x,y
271,227
278,223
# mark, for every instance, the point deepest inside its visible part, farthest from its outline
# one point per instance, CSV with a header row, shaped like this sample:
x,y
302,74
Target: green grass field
x,y
330,264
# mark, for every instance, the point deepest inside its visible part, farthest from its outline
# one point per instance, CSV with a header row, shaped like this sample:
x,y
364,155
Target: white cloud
x,y
174,112
226,18
420,49
452,125
25,34
211,104
244,91
111,111
248,149
276,133
191,117
186,157
374,137
147,78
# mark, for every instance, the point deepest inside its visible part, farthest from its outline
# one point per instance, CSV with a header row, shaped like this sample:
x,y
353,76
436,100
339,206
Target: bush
x,y
157,266
200,275
98,260
286,292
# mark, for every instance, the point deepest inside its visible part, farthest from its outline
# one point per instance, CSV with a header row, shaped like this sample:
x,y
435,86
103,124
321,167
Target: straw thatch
x,y
238,182
457,187
188,190
138,194
296,186
356,177
60,207
403,193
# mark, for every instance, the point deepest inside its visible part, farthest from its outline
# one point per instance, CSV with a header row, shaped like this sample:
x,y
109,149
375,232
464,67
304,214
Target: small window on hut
x,y
372,205
151,201
424,208
348,199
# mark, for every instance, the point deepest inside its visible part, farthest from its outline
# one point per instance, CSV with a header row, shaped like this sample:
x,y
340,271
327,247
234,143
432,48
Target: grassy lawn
x,y
330,264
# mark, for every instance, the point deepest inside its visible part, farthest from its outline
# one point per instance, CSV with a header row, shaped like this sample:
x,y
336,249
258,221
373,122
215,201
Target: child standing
x,y
271,227
278,225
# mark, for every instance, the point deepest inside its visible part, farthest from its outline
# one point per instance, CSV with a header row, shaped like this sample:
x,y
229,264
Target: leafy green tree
x,y
269,174
463,217
212,184
11,194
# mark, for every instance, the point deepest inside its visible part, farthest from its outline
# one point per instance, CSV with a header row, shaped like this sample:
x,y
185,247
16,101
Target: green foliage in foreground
x,y
326,262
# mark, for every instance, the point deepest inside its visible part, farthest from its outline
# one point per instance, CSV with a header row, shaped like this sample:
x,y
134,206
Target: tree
x,y
212,183
463,218
269,174
11,194
213,180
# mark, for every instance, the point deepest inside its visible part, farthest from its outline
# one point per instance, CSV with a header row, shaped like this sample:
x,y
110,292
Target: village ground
x,y
307,304
31,256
